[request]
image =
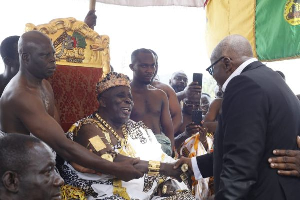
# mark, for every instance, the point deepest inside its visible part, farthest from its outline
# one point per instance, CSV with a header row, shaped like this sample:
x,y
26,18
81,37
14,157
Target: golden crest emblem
x,y
292,12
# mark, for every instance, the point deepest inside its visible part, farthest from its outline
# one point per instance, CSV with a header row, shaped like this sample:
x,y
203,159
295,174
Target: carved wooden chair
x,y
82,57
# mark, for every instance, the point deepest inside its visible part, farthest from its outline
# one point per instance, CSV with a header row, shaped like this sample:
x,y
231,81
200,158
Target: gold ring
x,y
184,167
184,177
164,189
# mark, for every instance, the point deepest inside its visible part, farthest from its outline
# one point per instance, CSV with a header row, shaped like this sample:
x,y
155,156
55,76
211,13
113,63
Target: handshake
x,y
185,166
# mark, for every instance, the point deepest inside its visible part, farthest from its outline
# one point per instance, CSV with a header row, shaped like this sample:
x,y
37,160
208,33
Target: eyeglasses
x,y
178,78
210,69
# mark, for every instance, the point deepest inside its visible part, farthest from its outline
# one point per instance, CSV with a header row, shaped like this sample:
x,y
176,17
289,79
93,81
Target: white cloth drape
x,y
140,3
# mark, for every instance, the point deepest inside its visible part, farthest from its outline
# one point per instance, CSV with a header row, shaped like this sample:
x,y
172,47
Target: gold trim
x,y
67,34
97,143
119,190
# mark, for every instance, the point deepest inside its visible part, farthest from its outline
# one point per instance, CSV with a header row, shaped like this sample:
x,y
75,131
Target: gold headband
x,y
112,79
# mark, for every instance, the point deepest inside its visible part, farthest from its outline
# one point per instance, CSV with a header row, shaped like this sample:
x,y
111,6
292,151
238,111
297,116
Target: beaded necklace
x,y
107,126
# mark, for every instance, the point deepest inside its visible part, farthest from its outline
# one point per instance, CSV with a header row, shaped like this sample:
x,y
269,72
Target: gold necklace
x,y
107,126
129,150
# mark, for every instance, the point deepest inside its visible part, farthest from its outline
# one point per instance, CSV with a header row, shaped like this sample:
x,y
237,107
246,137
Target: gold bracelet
x,y
153,168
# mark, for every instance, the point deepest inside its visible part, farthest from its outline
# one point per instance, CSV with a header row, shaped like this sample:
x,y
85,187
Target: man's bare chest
x,y
48,101
146,105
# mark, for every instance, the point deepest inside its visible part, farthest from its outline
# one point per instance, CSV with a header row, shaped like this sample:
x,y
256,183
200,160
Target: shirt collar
x,y
238,71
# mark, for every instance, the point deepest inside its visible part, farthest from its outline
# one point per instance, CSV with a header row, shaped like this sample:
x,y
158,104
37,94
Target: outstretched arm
x,y
88,131
34,116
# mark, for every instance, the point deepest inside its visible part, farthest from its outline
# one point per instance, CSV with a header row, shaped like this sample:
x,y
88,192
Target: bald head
x,y
135,54
233,46
30,40
36,55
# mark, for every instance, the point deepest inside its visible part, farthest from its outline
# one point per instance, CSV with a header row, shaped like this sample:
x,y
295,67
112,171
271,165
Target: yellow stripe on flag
x,y
227,17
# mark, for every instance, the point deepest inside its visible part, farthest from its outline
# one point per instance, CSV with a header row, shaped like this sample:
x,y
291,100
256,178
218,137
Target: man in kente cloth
x,y
110,134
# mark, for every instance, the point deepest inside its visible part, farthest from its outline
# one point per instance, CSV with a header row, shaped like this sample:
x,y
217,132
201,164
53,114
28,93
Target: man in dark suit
x,y
259,114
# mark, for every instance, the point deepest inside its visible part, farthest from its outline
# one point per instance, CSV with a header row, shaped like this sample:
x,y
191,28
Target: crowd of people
x,y
143,142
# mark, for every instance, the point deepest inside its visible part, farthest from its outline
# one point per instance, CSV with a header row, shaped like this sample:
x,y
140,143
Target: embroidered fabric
x,y
102,186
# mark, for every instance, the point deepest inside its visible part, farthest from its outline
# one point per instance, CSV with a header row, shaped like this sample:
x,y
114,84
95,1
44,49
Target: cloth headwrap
x,y
112,79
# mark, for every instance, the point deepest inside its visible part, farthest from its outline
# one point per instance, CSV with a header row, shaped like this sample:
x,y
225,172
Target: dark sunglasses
x,y
210,69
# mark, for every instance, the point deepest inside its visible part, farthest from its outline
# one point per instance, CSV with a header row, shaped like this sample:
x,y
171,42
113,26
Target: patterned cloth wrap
x,y
192,147
85,186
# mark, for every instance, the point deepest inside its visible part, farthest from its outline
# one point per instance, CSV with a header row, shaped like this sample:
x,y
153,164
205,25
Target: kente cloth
x,y
192,147
165,143
107,187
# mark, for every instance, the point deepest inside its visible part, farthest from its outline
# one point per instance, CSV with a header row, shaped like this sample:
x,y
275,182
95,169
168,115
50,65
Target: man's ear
x,y
7,61
10,181
25,57
102,102
228,64
131,66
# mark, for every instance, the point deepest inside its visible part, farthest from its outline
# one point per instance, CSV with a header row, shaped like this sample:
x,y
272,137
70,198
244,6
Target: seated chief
x,y
110,133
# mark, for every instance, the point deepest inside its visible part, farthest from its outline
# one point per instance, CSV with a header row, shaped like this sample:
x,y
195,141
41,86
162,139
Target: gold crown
x,y
112,79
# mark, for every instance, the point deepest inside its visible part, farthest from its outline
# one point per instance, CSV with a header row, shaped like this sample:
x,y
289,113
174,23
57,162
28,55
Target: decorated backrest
x,y
82,57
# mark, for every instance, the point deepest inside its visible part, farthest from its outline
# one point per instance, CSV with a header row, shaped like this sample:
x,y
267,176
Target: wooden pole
x,y
92,4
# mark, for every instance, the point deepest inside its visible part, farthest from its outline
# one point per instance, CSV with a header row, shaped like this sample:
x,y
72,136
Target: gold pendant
x,y
107,157
107,137
97,143
130,150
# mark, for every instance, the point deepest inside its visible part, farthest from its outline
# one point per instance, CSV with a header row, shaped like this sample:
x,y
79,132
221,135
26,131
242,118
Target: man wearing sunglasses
x,y
259,114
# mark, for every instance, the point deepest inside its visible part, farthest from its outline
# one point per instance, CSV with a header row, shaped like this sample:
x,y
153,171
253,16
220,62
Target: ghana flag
x,y
271,26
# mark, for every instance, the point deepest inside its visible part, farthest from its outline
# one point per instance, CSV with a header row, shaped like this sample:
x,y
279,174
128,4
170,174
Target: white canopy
x,y
140,3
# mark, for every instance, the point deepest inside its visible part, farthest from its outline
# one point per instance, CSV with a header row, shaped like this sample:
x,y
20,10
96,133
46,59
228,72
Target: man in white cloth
x,y
110,134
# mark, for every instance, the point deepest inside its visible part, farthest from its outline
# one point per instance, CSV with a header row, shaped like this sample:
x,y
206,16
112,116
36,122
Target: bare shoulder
x,y
19,95
157,91
165,87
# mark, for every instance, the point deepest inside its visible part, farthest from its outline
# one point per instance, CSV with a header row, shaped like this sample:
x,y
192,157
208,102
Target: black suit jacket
x,y
259,114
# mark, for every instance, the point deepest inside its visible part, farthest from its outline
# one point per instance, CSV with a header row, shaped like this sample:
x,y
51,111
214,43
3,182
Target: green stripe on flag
x,y
277,29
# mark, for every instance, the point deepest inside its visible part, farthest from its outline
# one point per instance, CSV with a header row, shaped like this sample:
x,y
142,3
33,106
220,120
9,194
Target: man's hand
x,y
192,89
183,160
192,129
91,19
169,170
288,161
126,171
141,166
